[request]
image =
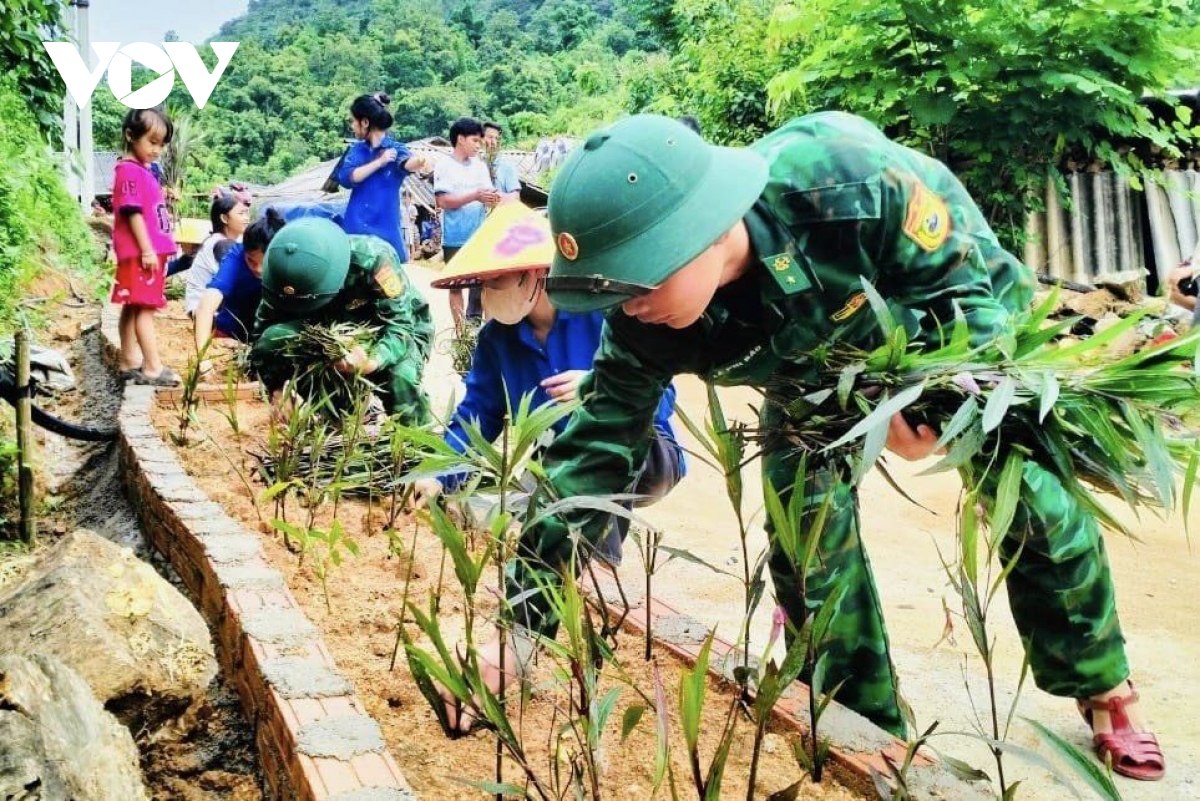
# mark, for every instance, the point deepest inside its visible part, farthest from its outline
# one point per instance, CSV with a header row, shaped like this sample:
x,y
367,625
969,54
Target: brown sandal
x,y
1135,754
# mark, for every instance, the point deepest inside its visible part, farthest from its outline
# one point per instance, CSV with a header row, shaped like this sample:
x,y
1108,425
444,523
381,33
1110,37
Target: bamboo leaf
x,y
1008,495
1049,395
1189,484
879,306
881,415
998,403
1082,765
691,696
630,720
604,709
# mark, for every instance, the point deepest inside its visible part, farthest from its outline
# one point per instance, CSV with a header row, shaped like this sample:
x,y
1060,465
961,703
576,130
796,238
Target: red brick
x,y
306,777
306,710
337,775
341,705
375,769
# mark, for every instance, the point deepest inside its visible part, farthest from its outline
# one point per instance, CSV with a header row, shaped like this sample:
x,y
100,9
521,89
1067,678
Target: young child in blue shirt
x,y
528,346
374,170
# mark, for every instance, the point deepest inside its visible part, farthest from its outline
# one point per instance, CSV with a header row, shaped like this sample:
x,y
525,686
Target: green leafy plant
x,y
189,398
1002,92
314,349
726,444
692,690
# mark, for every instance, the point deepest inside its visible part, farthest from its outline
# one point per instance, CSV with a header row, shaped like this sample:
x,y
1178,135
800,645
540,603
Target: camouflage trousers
x,y
401,392
1060,592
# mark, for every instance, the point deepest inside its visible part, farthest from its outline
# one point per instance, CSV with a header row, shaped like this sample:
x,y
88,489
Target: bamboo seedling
x,y
189,400
726,444
692,690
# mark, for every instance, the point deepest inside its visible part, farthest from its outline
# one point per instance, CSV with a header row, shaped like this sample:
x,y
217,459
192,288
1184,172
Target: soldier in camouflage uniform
x,y
738,265
317,274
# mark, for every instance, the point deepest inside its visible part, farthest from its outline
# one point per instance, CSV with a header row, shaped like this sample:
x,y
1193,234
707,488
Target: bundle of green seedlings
x,y
367,466
1114,425
315,349
462,346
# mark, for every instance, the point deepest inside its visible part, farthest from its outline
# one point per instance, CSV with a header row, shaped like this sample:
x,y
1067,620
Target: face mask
x,y
511,304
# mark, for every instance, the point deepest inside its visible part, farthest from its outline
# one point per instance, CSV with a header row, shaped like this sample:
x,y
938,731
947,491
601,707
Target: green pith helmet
x,y
305,265
637,201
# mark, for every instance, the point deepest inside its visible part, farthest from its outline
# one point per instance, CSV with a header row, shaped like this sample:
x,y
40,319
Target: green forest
x,y
1004,92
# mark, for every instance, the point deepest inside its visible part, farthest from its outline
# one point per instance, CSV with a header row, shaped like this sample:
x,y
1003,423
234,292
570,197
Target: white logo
x,y
119,60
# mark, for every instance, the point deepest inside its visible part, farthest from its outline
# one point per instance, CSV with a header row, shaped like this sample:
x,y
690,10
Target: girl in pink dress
x,y
142,242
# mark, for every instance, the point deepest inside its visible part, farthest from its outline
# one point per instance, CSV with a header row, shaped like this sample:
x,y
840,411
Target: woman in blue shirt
x,y
374,170
528,346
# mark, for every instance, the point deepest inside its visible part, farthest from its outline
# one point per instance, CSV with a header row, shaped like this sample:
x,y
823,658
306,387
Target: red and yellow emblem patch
x,y
389,283
928,220
567,246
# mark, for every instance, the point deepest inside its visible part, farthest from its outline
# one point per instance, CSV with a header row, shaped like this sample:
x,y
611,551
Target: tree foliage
x,y
24,25
1002,92
40,224
535,66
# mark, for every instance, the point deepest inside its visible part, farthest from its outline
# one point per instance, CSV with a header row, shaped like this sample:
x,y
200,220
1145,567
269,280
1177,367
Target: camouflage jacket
x,y
843,203
376,292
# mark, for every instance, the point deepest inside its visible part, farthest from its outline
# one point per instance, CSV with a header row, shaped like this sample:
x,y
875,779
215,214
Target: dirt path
x,y
1157,601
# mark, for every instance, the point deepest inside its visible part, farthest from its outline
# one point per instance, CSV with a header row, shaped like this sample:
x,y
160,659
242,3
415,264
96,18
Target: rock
x,y
58,740
135,639
1129,285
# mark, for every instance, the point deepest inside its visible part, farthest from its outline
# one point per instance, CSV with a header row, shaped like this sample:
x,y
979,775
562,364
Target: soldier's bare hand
x,y
424,491
564,387
461,718
356,361
907,443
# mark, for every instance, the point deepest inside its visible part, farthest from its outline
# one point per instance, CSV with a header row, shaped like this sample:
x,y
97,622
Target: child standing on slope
x,y
142,242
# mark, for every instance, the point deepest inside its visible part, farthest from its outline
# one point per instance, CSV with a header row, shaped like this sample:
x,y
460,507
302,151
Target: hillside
x,y
535,66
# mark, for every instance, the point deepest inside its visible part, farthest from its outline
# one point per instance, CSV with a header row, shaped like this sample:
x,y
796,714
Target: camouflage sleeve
x,y
267,355
399,307
407,328
937,254
606,440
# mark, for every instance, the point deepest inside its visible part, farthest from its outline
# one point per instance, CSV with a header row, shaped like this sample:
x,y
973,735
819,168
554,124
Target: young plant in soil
x,y
726,443
188,398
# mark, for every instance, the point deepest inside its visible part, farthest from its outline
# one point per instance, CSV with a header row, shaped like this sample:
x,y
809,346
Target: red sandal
x,y
1132,753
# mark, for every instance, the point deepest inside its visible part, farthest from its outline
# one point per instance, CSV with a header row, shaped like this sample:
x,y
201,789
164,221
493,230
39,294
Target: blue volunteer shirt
x,y
374,206
510,357
241,290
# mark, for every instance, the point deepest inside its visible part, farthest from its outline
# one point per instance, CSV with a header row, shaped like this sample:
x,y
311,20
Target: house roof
x,y
306,186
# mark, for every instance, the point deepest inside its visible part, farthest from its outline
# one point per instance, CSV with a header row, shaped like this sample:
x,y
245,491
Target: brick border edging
x,y
314,739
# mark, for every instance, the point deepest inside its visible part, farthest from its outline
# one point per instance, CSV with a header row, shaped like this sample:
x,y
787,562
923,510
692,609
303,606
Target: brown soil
x,y
359,624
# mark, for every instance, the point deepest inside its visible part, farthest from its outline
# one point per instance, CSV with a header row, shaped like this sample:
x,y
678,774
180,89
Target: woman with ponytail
x,y
374,169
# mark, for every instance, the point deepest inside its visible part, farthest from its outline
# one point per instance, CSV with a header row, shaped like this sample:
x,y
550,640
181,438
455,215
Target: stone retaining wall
x,y
314,739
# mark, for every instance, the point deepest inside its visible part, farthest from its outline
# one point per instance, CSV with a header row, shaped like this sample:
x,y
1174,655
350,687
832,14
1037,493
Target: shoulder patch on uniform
x,y
853,304
388,282
928,220
786,271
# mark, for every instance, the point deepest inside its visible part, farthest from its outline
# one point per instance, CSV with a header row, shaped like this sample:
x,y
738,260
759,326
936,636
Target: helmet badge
x,y
567,246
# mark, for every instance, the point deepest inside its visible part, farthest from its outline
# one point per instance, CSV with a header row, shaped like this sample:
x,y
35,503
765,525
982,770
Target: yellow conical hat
x,y
192,231
512,238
